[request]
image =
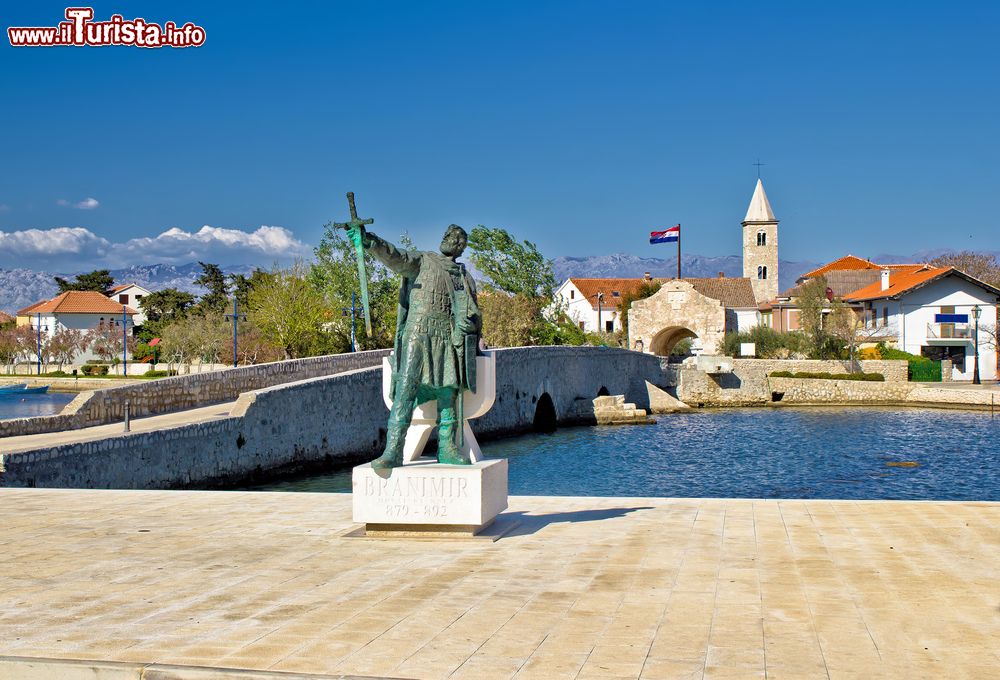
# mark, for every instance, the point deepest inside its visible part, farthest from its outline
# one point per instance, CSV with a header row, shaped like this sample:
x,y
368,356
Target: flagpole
x,y
678,253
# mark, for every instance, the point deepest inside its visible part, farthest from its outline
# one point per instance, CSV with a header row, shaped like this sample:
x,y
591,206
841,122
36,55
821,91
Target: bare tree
x,y
982,266
108,342
846,325
65,344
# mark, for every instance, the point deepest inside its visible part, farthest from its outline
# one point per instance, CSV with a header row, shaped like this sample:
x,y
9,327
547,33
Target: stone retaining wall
x,y
819,391
183,392
748,383
319,421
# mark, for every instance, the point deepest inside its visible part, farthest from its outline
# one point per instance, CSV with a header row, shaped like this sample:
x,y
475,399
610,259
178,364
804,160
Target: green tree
x,y
166,305
811,302
242,284
509,265
335,275
641,293
289,311
509,320
99,280
215,300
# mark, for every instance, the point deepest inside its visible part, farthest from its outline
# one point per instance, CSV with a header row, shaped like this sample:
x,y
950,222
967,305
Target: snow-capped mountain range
x,y
22,287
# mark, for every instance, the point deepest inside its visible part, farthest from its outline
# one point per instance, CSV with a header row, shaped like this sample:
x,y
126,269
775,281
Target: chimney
x,y
647,276
722,275
885,279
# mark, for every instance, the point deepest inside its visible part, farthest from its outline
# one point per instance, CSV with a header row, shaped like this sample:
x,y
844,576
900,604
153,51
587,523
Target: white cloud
x,y
77,248
176,246
86,204
52,242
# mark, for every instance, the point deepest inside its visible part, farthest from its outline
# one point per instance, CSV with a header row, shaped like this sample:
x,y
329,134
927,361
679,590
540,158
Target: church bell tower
x,y
760,247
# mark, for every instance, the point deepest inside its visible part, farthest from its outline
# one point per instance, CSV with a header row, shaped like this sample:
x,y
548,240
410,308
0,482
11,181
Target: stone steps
x,y
614,410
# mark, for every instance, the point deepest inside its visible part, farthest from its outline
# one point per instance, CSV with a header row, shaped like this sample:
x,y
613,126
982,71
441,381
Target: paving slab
x,y
582,588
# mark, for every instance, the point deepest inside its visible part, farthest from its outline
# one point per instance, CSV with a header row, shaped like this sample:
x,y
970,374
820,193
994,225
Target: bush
x,y
919,369
770,343
94,369
865,377
158,374
58,374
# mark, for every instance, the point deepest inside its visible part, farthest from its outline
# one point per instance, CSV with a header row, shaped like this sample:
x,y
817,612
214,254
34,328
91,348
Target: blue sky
x,y
578,125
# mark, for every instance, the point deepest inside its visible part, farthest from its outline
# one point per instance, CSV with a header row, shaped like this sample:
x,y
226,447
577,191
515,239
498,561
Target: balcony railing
x,y
945,331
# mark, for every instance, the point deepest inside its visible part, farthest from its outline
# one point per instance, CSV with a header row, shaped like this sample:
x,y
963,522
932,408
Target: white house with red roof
x,y
936,312
918,308
130,294
76,309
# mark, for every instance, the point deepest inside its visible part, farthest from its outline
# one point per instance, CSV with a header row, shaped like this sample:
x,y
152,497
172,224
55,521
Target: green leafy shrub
x,y
94,369
158,374
919,369
770,344
57,374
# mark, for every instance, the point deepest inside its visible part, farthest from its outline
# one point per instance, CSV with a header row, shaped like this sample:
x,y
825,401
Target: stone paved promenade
x,y
584,588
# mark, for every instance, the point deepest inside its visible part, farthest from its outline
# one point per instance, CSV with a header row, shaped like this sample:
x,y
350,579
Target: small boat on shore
x,y
18,390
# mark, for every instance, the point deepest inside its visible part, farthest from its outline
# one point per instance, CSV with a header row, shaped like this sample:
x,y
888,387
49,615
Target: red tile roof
x,y
899,282
5,317
731,292
852,263
589,288
846,263
77,302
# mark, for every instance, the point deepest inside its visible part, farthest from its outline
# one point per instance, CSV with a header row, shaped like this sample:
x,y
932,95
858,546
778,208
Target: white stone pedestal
x,y
426,498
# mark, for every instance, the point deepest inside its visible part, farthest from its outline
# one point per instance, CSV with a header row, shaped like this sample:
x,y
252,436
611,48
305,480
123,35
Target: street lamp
x,y
976,311
38,351
353,309
236,317
125,323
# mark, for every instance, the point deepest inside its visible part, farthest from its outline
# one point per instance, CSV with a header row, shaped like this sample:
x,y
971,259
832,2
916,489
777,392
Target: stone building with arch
x,y
703,310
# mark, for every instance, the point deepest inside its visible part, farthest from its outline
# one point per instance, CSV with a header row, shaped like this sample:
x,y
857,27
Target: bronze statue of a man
x,y
437,338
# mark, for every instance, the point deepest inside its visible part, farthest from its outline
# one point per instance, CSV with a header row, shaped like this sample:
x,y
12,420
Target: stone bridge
x,y
323,421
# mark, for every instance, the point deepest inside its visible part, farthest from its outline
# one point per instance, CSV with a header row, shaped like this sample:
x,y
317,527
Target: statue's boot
x,y
448,451
394,441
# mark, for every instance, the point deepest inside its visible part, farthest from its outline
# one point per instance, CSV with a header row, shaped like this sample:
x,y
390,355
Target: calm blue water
x,y
29,405
755,453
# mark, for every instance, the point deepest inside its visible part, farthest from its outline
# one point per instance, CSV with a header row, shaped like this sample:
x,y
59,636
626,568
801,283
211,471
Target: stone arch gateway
x,y
675,312
667,339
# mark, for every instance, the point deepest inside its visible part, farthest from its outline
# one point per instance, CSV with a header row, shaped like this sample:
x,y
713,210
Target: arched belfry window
x,y
762,238
762,272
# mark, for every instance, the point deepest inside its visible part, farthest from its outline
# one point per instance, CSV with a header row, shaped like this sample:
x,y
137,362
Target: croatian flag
x,y
670,235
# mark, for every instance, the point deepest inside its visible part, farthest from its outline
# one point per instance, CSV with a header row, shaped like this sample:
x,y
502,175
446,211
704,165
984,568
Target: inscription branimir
x,y
417,487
